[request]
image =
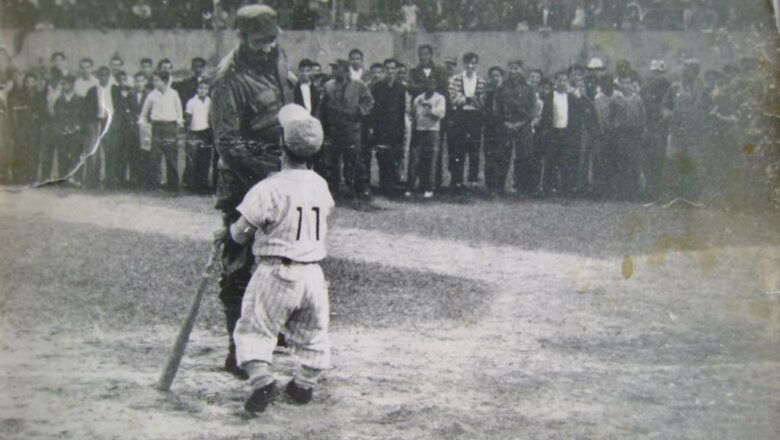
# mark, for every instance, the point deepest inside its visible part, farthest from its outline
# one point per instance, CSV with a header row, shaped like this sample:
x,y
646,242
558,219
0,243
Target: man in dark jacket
x,y
515,107
305,93
188,88
388,125
250,87
69,124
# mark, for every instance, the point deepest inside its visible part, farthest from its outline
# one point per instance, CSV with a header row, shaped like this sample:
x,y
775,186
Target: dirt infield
x,y
667,332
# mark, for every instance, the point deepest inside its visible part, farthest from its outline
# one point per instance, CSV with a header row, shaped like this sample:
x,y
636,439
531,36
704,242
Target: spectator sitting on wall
x,y
410,13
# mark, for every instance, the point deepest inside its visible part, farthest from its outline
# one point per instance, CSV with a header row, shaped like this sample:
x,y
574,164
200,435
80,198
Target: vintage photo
x,y
389,219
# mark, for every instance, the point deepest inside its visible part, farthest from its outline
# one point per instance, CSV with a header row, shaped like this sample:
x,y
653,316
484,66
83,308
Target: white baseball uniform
x,y
289,211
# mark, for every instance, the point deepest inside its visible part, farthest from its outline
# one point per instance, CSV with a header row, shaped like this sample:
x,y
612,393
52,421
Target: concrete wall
x,y
550,51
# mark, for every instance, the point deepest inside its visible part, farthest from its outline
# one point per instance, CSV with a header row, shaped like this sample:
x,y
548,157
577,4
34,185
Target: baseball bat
x,y
177,352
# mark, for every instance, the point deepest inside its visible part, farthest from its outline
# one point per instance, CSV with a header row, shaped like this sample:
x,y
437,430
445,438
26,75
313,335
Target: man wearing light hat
x,y
250,88
287,215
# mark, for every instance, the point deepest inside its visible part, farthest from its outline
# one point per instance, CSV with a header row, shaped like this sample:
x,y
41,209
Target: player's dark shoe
x,y
232,368
299,394
260,398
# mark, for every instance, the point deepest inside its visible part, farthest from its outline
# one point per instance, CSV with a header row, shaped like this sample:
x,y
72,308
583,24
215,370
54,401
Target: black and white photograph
x,y
390,219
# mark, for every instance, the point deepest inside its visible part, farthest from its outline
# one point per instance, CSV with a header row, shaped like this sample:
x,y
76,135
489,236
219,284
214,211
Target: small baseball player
x,y
287,213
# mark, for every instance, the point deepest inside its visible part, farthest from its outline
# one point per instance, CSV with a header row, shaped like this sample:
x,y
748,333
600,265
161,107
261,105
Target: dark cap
x,y
340,63
257,18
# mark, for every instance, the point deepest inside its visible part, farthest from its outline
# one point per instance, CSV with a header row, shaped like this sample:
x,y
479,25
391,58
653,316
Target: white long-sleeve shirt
x,y
162,107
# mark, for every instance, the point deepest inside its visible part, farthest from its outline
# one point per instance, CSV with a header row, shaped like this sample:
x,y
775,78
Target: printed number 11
x,y
300,222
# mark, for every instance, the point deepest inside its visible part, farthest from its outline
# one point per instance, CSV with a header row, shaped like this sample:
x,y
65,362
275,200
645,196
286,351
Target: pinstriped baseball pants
x,y
292,298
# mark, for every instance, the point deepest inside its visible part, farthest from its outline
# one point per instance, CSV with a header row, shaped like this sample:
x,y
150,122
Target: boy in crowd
x,y
629,125
85,80
428,109
123,134
100,110
306,94
287,215
162,108
140,156
70,126
200,141
467,97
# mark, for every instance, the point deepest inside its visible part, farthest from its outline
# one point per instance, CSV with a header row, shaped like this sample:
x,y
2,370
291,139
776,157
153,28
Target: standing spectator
x,y
427,69
139,142
26,107
388,119
346,102
60,63
163,110
350,14
628,119
69,125
467,95
117,65
147,68
653,94
7,73
605,152
306,94
85,80
685,107
410,13
356,71
100,110
188,88
49,139
305,15
516,108
377,74
493,156
165,65
200,141
428,109
118,150
559,119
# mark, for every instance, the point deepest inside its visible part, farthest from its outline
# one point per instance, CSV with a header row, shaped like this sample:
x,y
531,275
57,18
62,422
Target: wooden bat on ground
x,y
174,359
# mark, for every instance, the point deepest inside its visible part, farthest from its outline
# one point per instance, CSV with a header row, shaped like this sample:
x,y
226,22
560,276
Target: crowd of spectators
x,y
398,15
594,130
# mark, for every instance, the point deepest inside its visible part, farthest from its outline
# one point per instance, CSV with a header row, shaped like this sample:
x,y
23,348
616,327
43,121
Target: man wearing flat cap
x,y
250,87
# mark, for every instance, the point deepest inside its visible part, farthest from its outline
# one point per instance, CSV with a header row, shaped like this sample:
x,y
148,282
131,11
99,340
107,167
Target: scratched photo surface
x,y
547,219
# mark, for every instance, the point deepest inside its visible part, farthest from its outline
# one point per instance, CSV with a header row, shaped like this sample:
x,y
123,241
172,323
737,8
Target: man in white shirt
x,y
163,110
356,65
559,123
200,142
85,80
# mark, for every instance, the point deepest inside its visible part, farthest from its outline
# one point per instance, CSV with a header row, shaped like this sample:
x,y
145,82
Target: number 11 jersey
x,y
290,211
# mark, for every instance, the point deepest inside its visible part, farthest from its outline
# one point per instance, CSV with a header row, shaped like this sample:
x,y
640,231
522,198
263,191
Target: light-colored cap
x,y
596,63
303,134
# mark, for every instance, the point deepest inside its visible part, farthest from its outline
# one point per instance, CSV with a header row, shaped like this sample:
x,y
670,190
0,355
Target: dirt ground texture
x,y
528,320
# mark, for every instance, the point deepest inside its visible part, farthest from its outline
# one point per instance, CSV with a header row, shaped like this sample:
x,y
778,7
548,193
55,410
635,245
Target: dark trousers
x,y
200,157
345,149
465,139
388,158
164,145
527,167
422,157
561,160
117,154
237,262
49,149
498,152
25,156
603,153
653,158
625,163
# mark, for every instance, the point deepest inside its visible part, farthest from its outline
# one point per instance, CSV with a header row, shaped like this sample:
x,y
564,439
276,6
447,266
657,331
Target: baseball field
x,y
457,319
